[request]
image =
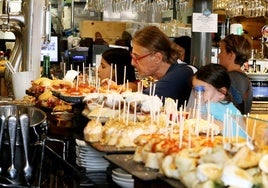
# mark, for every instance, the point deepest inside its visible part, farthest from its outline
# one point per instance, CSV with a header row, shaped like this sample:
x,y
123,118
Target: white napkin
x,y
70,75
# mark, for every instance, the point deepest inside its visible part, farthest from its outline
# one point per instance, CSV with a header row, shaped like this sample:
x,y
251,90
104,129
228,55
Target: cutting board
x,y
110,30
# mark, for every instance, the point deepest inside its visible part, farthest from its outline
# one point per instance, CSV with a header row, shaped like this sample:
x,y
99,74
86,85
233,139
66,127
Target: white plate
x,y
92,159
121,173
85,153
128,180
94,163
124,184
100,167
86,148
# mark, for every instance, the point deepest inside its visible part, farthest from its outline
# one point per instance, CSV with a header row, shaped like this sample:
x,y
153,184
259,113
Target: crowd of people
x,y
168,62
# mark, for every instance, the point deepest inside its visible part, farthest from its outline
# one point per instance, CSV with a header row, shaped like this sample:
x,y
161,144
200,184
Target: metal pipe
x,y
201,42
72,15
47,22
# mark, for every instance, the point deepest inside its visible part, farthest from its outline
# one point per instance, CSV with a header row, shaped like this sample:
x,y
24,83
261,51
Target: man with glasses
x,y
154,55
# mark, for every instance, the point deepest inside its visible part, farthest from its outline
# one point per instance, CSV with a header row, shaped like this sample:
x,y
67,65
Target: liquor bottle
x,y
46,67
254,64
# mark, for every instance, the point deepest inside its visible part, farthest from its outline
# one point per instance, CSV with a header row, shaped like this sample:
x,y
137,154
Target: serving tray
x,y
111,149
138,170
126,162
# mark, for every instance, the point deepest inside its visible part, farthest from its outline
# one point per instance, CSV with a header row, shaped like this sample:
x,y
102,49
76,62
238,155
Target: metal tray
x,y
139,171
126,162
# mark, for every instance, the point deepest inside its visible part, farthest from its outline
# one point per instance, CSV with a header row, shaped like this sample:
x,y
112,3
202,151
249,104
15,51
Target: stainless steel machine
x,y
260,93
31,27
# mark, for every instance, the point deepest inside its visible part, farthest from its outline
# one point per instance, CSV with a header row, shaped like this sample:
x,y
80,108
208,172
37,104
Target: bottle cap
x,y
199,88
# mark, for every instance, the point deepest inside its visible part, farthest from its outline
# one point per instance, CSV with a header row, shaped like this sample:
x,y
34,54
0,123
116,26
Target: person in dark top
x,y
235,50
121,59
99,40
216,81
125,40
184,43
153,54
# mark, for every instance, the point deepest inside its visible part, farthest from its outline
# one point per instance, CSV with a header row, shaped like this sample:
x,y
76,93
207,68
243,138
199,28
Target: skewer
x,y
111,77
209,124
89,75
114,107
115,73
64,69
135,112
125,71
158,117
127,85
237,129
119,109
77,78
98,117
254,128
181,128
154,85
83,72
128,109
150,89
247,127
212,130
124,111
166,127
190,139
96,76
224,129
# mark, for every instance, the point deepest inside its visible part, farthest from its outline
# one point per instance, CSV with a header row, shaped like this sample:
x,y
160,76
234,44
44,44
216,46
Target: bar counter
x,y
53,156
58,135
57,157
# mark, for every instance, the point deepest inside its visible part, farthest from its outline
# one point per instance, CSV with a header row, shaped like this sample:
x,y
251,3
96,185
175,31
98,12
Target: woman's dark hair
x,y
121,58
216,75
239,45
185,42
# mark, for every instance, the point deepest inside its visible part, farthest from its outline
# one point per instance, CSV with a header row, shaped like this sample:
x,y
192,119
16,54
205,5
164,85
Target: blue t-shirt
x,y
219,109
175,84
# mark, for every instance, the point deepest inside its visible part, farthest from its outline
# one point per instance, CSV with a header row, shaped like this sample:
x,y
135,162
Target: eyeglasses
x,y
136,59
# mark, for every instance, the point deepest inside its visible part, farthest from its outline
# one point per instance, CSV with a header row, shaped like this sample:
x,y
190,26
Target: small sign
x,y
205,23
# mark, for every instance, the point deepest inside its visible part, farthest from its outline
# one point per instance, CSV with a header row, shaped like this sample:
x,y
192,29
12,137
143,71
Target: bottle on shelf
x,y
46,67
254,64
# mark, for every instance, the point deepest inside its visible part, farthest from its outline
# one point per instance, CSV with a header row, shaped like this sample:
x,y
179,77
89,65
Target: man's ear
x,y
158,57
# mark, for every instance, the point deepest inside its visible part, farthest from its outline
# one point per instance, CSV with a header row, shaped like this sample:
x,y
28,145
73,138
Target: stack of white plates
x,y
89,158
122,178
